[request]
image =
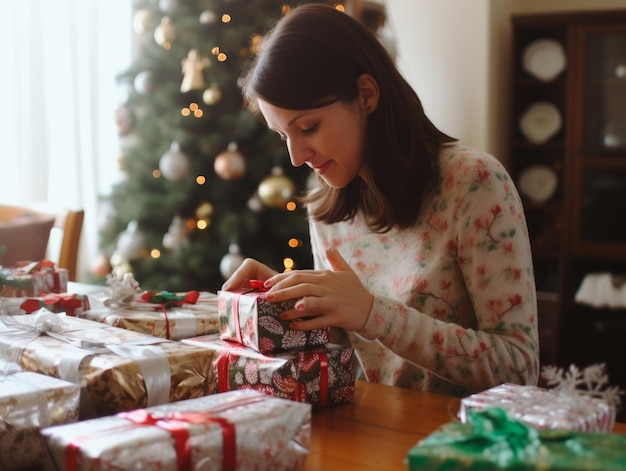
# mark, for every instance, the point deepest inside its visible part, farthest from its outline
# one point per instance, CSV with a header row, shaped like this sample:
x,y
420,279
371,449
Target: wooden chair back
x,y
69,222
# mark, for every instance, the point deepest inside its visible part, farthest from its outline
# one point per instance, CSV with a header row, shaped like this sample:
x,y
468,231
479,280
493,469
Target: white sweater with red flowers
x,y
455,307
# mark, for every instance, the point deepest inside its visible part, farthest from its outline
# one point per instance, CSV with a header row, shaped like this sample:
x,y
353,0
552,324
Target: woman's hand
x,y
250,269
329,298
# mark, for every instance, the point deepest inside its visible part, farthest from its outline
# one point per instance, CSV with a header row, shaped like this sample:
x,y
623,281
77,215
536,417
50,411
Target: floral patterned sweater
x,y
455,307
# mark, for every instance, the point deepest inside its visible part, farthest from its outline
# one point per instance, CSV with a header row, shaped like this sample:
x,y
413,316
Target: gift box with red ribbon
x,y
70,303
33,279
320,376
173,316
241,430
247,317
119,369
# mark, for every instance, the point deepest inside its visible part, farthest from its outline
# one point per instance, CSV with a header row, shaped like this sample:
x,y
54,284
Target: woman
x,y
420,244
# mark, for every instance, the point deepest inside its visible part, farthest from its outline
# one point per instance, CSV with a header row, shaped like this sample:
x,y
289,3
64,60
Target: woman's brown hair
x,y
313,56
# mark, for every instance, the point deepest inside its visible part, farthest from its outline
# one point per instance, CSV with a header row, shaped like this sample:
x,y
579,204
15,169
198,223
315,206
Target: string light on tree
x,y
231,261
230,164
276,190
174,164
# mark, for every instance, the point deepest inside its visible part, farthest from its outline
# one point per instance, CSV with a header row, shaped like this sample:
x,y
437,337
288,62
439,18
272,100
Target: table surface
x,y
377,429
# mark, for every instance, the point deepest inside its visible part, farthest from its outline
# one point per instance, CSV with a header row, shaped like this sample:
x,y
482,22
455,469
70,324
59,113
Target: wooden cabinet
x,y
568,157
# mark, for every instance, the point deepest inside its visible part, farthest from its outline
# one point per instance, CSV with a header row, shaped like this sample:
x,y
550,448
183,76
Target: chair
x,y
23,229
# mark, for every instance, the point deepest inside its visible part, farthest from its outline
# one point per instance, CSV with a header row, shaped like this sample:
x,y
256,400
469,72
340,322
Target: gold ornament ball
x,y
204,211
276,191
230,165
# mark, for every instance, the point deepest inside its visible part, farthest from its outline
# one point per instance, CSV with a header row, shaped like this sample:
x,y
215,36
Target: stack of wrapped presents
x,y
145,368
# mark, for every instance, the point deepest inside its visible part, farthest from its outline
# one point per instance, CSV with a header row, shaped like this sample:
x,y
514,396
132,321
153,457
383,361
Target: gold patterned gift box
x,y
28,402
118,369
243,430
174,321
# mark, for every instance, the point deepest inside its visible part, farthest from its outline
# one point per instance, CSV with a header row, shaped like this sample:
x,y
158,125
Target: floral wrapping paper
x,y
119,370
492,439
543,408
174,323
29,402
247,317
238,430
320,376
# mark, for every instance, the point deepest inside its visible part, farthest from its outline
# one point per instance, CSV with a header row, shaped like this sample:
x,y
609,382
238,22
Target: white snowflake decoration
x,y
591,381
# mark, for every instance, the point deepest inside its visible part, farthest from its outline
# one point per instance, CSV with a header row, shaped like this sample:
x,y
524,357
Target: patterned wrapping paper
x,y
29,402
119,370
69,303
493,439
543,408
247,317
238,430
320,376
174,323
34,279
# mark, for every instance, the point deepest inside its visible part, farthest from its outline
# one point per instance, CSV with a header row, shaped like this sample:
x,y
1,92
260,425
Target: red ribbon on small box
x,y
177,424
168,300
44,265
65,302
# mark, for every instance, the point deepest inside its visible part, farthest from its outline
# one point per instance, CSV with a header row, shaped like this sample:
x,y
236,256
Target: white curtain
x,y
58,95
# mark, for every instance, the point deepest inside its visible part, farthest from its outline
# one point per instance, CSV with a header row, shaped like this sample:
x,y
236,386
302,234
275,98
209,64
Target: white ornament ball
x,y
276,190
130,243
165,33
141,20
168,6
231,261
143,82
212,95
230,164
174,164
208,17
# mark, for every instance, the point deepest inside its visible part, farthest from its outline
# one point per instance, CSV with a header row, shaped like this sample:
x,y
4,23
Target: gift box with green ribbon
x,y
492,439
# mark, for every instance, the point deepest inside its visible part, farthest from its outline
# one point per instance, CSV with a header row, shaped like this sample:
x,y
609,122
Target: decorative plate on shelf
x,y
538,183
540,122
544,59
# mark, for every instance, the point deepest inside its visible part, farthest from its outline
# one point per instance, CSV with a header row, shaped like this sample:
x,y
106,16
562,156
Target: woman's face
x,y
329,139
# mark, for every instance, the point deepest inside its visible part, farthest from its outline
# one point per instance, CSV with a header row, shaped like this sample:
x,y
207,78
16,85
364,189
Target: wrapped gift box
x,y
493,439
544,408
247,317
241,430
174,322
119,370
29,402
33,279
70,303
319,376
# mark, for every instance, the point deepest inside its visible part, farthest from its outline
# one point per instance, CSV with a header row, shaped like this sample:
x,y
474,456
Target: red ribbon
x,y
167,300
67,302
177,425
223,377
323,378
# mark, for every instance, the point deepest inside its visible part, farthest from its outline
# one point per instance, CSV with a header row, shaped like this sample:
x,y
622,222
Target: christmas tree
x,y
205,182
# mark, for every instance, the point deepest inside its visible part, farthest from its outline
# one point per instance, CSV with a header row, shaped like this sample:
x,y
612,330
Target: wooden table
x,y
377,429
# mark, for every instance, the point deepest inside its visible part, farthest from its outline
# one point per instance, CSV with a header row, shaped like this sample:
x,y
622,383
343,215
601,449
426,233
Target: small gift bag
x,y
247,317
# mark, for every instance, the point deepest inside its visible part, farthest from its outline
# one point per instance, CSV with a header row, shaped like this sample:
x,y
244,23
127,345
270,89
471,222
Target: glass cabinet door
x,y
605,92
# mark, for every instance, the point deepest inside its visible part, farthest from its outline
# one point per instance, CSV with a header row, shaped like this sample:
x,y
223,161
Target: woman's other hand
x,y
328,298
250,269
